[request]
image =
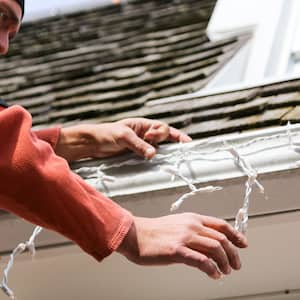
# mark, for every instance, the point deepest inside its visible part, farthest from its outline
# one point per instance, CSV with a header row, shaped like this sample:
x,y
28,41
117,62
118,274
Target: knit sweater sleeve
x,y
38,186
49,135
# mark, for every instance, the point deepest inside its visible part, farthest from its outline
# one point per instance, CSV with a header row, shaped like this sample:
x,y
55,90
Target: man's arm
x,y
49,135
206,243
39,186
139,135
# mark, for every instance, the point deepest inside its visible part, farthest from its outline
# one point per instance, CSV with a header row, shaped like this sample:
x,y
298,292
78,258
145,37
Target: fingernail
x,y
245,242
242,239
237,266
149,152
186,139
217,275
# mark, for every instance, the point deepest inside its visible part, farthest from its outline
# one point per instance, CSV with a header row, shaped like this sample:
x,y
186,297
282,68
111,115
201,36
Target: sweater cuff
x,y
49,135
121,232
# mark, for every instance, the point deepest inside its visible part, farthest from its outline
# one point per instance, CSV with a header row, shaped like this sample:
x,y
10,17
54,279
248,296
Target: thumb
x,y
138,145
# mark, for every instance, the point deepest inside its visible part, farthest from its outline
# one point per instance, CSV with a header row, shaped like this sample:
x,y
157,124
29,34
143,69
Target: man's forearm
x,y
39,186
76,142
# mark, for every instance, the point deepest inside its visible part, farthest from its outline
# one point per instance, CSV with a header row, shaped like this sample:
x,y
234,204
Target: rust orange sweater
x,y
38,186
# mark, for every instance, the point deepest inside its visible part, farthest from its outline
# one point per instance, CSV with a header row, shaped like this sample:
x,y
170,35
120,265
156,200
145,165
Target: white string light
x,y
186,153
208,189
29,245
194,190
98,174
192,152
241,220
95,172
173,161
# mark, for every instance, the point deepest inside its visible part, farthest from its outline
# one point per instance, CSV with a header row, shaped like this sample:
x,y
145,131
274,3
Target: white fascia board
x,y
264,19
296,33
143,176
234,16
224,23
272,23
233,71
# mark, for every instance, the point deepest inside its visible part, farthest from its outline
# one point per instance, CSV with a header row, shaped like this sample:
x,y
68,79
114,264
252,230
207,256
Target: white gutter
x,y
141,176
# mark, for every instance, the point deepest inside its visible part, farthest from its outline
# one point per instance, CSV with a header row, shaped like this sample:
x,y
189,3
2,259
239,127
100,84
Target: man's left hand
x,y
139,135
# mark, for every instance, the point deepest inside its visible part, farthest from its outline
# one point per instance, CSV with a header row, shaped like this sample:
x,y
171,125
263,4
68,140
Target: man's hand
x,y
206,243
104,140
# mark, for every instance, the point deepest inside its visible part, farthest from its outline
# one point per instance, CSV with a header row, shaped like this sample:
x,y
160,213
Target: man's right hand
x,y
206,243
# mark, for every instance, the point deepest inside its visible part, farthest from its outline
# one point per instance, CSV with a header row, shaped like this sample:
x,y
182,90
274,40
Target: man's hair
x,y
22,4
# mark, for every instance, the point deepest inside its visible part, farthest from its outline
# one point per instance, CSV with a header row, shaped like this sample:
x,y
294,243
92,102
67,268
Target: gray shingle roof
x,y
113,60
253,108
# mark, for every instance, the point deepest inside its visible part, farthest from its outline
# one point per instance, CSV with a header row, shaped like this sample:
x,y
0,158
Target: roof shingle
x,y
92,65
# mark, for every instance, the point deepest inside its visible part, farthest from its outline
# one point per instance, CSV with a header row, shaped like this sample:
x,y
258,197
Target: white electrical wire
x,y
208,189
241,220
186,153
95,172
194,190
192,152
29,245
173,161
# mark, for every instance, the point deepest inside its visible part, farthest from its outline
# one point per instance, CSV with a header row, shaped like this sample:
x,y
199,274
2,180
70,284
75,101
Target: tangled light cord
x,y
171,163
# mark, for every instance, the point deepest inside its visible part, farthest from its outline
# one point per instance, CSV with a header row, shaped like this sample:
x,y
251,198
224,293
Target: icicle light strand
x,y
185,154
241,220
29,245
188,153
194,190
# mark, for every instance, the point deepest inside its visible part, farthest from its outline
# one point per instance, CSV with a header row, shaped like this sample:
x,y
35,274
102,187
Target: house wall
x,y
270,265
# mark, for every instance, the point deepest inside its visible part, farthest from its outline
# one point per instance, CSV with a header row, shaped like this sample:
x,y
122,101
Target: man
x,y
37,184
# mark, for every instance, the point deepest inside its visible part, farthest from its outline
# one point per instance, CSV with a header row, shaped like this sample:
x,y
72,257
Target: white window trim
x,y
275,64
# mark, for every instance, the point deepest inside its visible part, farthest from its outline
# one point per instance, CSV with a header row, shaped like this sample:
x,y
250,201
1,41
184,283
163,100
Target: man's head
x,y
11,12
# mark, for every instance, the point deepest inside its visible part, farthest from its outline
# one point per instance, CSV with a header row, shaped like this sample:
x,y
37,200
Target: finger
x,y
198,260
237,238
176,135
131,141
230,249
212,249
162,132
157,133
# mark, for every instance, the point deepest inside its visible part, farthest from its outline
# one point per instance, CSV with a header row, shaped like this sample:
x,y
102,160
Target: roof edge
x,y
224,90
203,162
